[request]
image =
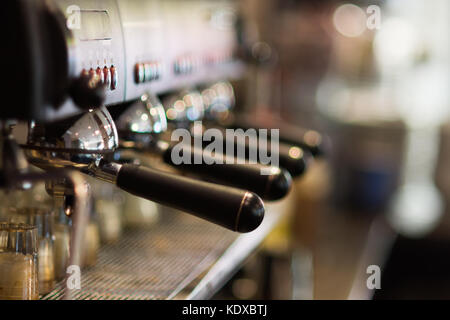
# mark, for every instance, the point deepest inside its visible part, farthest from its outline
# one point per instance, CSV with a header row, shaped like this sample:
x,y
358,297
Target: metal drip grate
x,y
155,263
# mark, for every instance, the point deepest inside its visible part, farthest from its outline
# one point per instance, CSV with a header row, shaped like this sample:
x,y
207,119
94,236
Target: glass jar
x,y
91,242
61,245
139,212
108,206
18,262
42,219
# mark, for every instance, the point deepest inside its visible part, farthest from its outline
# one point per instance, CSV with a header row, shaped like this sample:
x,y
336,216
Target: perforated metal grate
x,y
156,263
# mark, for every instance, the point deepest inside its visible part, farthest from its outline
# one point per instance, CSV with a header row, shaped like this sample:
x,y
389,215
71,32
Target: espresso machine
x,y
96,89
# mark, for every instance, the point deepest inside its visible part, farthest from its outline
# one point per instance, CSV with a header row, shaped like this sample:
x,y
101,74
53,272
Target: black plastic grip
x,y
270,183
292,158
232,208
312,141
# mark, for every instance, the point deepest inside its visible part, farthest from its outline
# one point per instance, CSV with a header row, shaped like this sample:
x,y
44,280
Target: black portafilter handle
x,y
294,159
232,208
270,183
291,158
309,140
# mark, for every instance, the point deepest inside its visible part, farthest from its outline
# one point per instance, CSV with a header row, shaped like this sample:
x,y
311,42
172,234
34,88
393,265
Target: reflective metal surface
x,y
95,131
219,100
83,143
185,107
146,115
163,261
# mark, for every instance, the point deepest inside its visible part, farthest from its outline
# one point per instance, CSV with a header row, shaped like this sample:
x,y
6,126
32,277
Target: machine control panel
x,y
135,46
147,71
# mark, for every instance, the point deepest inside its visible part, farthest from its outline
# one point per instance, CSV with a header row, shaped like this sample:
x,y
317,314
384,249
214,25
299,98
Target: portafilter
x,y
86,143
139,128
217,102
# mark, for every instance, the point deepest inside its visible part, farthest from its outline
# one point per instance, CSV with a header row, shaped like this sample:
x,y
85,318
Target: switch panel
x,y
136,46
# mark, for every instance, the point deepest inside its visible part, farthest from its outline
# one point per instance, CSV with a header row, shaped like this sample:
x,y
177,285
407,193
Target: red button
x,y
84,73
114,78
139,75
99,73
106,77
93,78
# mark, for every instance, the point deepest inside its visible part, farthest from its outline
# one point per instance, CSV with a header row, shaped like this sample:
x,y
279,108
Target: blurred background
x,y
366,82
374,77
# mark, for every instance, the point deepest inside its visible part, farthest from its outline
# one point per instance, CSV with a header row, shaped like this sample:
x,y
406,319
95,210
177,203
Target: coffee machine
x,y
75,70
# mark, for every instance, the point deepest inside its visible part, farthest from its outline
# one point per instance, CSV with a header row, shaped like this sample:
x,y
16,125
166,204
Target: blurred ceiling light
x,y
350,20
395,45
416,210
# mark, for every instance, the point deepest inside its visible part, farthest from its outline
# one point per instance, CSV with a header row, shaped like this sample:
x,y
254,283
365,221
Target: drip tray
x,y
153,263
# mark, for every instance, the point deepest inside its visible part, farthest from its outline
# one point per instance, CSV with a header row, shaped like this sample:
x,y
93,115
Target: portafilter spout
x,y
84,143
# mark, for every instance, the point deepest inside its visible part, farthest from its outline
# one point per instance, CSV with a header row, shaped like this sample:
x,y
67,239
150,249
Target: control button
x,y
185,65
157,70
139,75
99,75
114,78
154,67
177,67
93,78
190,64
148,71
106,77
86,91
84,73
